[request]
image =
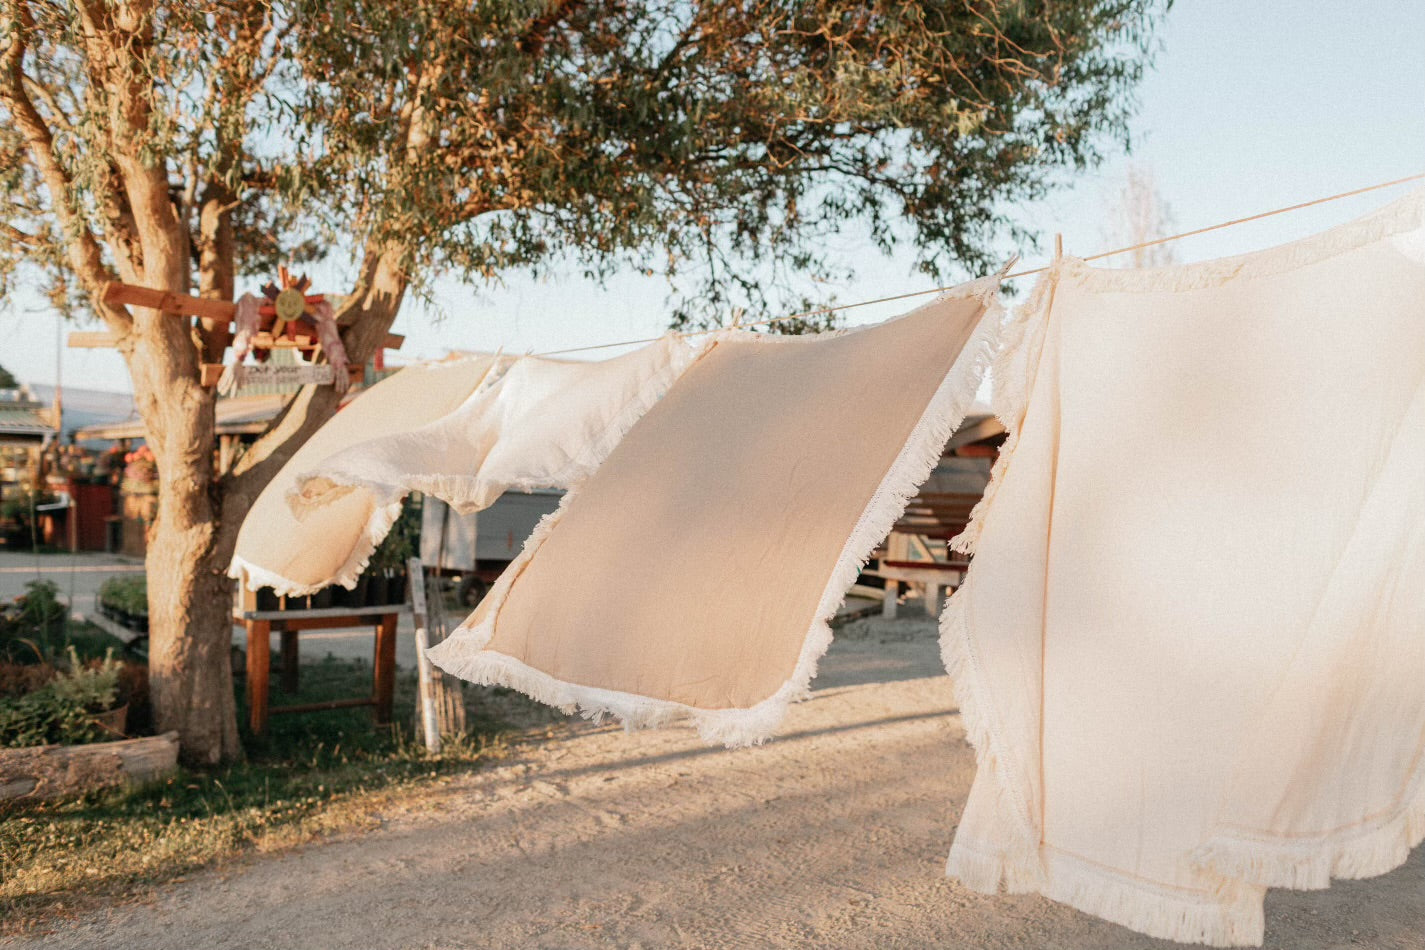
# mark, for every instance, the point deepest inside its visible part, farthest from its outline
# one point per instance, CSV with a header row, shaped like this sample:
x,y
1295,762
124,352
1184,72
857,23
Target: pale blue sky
x,y
1253,105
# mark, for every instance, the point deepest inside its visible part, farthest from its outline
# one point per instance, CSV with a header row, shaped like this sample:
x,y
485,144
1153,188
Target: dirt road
x,y
834,835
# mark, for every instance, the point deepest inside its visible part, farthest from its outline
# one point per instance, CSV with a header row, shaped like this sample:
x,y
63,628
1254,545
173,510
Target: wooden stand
x,y
289,623
425,672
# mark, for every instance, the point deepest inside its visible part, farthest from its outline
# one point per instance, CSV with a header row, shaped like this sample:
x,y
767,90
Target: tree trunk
x,y
190,629
190,597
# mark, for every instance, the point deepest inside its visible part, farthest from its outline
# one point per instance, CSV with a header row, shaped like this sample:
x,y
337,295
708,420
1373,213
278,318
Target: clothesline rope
x,y
1023,273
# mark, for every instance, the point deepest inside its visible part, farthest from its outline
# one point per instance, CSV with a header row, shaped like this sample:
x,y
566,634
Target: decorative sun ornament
x,y
289,304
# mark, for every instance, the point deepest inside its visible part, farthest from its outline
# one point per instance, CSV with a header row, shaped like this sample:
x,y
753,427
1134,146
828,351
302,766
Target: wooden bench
x,y
260,625
916,552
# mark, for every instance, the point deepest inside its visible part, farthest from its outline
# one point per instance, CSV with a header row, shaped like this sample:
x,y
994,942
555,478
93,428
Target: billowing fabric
x,y
1191,647
332,546
543,424
693,574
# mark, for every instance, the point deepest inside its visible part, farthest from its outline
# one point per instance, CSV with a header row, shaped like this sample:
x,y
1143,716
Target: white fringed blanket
x,y
692,575
543,424
1191,649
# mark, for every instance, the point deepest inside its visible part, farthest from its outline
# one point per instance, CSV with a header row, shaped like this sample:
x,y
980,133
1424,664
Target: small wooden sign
x,y
265,374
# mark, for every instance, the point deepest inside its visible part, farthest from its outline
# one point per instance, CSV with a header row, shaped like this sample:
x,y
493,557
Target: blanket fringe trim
x,y
378,525
1012,368
730,727
1232,916
463,653
1017,865
1402,215
1368,850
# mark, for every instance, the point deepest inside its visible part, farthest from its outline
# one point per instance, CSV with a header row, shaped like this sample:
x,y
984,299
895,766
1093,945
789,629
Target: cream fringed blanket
x,y
693,574
1191,648
332,546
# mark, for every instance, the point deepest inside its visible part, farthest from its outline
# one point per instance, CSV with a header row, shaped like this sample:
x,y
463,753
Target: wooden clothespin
x,y
737,314
1058,248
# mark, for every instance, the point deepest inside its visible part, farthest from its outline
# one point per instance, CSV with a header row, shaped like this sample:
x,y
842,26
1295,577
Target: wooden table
x,y
261,623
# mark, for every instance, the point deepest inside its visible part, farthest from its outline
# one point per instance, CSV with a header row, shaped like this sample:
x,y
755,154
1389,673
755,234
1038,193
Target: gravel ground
x,y
833,835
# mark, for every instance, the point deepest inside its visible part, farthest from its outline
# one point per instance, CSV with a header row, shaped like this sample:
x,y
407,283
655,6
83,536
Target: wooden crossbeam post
x,y
425,672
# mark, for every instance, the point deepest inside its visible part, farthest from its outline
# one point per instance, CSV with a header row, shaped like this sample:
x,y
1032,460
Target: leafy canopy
x,y
725,145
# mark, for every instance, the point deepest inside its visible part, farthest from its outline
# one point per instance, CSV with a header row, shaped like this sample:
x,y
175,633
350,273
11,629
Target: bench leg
x,y
891,598
290,663
932,599
384,673
259,662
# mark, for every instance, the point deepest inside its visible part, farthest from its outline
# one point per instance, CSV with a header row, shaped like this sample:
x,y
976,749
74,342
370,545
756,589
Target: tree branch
x,y
47,96
537,35
81,247
120,40
22,237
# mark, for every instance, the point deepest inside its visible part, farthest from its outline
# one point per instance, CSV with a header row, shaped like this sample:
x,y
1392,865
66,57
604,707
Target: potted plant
x,y
34,625
387,569
125,599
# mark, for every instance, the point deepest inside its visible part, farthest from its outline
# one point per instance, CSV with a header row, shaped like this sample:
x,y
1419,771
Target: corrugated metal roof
x,y
24,423
87,407
239,415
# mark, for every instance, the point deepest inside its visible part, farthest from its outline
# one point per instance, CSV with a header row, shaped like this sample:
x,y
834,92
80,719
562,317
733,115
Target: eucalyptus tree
x,y
725,145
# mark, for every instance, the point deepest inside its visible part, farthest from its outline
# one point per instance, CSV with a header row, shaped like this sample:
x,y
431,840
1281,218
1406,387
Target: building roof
x,y
86,407
239,415
23,419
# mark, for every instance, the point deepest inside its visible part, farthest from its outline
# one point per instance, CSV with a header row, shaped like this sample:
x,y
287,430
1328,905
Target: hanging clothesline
x,y
1023,273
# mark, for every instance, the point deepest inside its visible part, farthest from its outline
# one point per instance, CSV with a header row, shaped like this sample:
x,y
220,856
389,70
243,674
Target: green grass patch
x,y
312,775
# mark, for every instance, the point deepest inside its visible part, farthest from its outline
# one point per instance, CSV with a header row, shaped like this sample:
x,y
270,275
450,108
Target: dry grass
x,y
310,777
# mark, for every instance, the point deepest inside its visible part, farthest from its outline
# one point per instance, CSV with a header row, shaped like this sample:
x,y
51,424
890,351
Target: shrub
x,y
63,710
401,543
33,625
20,507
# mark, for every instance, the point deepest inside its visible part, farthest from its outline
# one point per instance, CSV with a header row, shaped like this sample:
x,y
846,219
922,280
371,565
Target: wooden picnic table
x,y
260,625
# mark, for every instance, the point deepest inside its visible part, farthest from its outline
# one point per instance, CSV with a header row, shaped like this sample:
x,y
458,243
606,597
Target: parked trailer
x,y
476,548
